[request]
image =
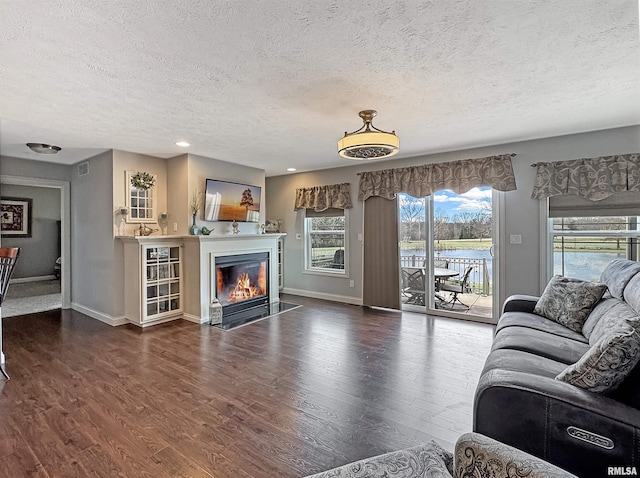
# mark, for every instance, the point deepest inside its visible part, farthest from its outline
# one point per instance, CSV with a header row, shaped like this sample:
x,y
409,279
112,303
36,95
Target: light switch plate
x,y
515,239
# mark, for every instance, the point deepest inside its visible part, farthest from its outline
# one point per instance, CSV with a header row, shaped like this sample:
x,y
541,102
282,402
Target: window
x,y
584,236
141,202
583,246
325,241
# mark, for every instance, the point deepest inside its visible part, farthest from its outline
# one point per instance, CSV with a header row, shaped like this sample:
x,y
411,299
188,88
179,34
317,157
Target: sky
x,y
449,203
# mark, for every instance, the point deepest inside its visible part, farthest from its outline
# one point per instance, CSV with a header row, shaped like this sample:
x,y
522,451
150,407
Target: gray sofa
x,y
583,425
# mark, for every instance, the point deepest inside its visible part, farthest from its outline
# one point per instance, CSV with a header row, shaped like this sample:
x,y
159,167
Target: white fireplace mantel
x,y
199,267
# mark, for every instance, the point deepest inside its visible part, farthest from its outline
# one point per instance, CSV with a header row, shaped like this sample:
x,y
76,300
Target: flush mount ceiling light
x,y
368,142
182,144
43,148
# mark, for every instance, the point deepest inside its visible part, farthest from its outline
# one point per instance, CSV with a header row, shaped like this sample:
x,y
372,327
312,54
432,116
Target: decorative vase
x,y
194,229
235,226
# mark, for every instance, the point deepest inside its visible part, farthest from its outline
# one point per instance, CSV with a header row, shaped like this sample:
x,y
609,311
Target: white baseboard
x,y
22,280
195,319
320,295
94,314
156,322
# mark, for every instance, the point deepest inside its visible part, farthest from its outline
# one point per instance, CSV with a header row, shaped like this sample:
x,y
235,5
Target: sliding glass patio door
x,y
447,253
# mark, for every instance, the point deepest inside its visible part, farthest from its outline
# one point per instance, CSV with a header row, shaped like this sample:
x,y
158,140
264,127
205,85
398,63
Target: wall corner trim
x,y
94,314
195,319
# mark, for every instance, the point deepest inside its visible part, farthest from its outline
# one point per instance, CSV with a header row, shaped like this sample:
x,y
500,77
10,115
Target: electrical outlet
x,y
352,283
175,227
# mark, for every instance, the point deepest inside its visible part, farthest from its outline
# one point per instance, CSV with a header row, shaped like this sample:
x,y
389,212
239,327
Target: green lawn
x,y
577,244
449,244
587,244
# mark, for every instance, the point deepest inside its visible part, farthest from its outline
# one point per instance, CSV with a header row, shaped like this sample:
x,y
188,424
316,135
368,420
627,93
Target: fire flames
x,y
243,289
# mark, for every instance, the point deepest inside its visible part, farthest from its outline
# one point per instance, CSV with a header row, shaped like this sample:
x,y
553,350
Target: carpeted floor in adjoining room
x,y
30,297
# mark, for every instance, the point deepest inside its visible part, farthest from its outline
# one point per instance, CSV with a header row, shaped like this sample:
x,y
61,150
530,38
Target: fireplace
x,y
242,281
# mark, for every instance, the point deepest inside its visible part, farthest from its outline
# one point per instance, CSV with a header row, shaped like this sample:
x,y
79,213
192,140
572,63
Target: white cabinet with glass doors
x,y
153,280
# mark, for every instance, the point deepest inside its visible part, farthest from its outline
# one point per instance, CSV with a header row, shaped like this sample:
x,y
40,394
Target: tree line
x,y
464,225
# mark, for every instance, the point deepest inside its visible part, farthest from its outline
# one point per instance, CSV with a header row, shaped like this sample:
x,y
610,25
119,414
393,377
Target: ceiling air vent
x,y
83,169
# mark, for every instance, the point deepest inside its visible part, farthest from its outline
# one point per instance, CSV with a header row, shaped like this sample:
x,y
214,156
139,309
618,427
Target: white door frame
x,y
498,237
65,225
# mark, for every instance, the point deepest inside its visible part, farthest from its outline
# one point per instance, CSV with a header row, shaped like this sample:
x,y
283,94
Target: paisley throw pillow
x,y
608,362
569,301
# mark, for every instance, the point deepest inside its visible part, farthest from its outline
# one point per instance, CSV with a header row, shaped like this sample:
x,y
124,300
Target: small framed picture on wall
x,y
15,217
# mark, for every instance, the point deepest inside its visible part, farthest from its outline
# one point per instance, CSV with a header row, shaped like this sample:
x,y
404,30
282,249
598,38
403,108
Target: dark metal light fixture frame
x,y
42,148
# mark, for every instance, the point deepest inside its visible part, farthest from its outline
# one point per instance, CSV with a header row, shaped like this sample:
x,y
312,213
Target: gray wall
x,y
40,251
92,244
124,161
198,170
34,169
522,262
179,216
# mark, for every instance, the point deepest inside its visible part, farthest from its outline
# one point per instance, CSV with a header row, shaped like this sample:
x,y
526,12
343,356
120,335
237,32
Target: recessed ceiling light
x,y
291,169
43,148
182,144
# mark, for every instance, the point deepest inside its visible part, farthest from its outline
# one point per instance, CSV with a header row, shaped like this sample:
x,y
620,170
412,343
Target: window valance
x,y
590,178
320,198
421,181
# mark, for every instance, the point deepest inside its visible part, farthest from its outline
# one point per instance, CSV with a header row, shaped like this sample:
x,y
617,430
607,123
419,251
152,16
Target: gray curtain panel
x,y
421,181
381,281
591,178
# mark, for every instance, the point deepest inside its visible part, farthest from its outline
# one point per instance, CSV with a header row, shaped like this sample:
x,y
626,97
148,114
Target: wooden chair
x,y
458,288
8,259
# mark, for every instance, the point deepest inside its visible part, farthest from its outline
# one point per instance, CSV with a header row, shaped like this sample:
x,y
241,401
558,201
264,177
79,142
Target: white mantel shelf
x,y
200,238
230,237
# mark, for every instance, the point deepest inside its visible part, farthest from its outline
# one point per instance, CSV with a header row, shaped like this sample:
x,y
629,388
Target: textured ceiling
x,y
275,83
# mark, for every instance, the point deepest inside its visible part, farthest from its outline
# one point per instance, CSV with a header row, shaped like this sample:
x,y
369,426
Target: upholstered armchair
x,y
475,456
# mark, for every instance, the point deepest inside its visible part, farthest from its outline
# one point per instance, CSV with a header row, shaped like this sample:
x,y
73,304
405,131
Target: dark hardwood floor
x,y
305,391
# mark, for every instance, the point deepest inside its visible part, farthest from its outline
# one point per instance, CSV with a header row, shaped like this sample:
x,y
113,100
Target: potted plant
x,y
195,207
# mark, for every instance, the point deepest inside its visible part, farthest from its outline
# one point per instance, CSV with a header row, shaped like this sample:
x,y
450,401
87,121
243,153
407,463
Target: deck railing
x,y
479,280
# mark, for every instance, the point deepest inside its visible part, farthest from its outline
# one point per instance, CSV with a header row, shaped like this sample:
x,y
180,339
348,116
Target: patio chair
x,y
8,258
413,285
460,287
443,263
338,259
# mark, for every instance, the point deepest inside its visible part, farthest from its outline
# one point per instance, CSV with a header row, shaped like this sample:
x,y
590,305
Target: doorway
x,y
448,253
63,267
